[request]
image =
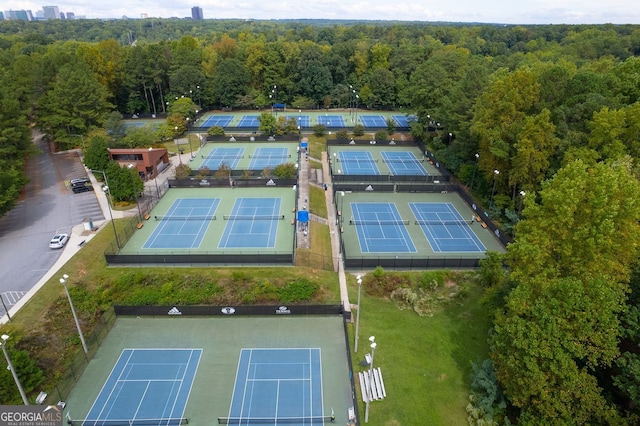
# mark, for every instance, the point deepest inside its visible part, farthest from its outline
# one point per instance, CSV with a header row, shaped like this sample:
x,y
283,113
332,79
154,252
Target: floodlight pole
x,y
355,347
3,344
135,195
496,172
63,281
373,350
109,202
473,178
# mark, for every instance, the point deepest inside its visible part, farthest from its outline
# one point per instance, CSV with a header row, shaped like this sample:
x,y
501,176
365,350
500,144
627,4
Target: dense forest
x,y
546,119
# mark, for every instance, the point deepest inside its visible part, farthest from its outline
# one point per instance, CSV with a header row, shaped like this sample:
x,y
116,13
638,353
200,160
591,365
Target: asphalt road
x,y
48,207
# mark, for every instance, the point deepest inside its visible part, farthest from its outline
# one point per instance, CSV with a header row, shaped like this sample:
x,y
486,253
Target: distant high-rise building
x,y
19,15
71,15
51,12
1,16
196,13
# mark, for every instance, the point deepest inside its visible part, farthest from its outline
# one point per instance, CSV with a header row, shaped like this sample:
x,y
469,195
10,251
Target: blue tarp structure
x,y
281,106
303,216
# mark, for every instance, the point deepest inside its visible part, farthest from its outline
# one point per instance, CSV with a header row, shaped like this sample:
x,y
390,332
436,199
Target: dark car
x,y
81,185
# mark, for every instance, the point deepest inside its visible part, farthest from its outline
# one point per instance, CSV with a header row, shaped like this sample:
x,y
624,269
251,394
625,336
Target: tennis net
x,y
357,160
135,422
379,222
270,156
222,157
256,217
194,217
311,421
400,160
442,222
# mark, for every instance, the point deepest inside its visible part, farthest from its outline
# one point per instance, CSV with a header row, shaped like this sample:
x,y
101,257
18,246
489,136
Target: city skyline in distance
x,y
498,11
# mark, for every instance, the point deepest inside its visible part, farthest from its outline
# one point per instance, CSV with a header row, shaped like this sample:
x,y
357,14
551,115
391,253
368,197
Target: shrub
x,y
300,290
183,171
342,134
319,130
358,130
381,135
215,131
285,170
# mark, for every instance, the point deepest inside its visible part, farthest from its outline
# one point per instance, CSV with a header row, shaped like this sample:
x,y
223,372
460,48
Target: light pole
x,y
341,211
177,145
355,347
188,137
274,96
450,137
3,344
109,202
355,120
135,195
522,194
496,172
372,339
63,281
475,167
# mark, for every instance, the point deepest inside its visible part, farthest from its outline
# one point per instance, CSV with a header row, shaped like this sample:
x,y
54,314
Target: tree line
x,y
541,123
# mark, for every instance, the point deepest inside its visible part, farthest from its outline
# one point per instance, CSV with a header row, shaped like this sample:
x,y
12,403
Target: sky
x,y
491,11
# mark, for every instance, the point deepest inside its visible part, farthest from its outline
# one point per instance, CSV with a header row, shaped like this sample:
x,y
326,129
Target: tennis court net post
x,y
174,421
258,217
160,217
311,421
379,222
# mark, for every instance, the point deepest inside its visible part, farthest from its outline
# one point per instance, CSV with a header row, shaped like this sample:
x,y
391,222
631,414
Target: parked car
x,y
81,185
58,241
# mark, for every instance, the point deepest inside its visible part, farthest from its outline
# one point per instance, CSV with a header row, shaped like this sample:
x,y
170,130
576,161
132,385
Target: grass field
x,y
425,361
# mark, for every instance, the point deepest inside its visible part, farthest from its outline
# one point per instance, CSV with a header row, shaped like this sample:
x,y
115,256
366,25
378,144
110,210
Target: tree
x,y
96,154
585,224
230,82
268,124
546,345
74,104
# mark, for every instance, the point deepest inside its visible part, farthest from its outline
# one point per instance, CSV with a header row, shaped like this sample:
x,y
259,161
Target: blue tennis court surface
x,y
404,120
357,163
380,228
229,156
373,121
184,225
278,386
249,121
403,163
135,124
302,120
217,120
149,386
253,223
331,120
445,228
268,157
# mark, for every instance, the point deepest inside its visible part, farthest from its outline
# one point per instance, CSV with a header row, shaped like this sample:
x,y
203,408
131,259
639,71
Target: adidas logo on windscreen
x,y
174,311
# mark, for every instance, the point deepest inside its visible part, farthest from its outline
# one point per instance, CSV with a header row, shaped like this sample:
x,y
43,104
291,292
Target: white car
x,y
58,241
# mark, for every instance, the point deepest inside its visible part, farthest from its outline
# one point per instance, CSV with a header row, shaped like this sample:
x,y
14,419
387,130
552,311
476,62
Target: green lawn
x,y
425,362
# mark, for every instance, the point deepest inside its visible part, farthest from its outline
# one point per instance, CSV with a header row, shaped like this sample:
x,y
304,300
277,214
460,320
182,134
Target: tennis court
x,y
373,121
184,225
217,120
268,157
380,228
301,120
403,163
146,386
223,155
249,121
331,120
278,386
357,163
404,120
445,228
195,367
253,223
